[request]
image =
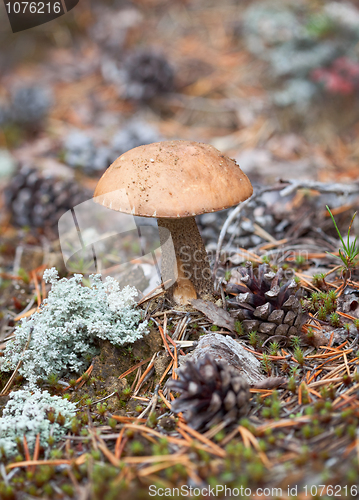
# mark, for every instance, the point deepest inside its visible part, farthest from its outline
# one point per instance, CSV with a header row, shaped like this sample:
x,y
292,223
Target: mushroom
x,y
175,181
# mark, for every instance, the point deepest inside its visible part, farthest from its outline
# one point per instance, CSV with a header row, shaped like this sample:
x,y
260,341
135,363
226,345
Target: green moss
x,y
238,327
299,356
322,313
112,423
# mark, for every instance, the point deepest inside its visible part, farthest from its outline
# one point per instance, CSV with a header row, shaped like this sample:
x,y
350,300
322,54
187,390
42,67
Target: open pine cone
x,y
266,304
147,74
211,392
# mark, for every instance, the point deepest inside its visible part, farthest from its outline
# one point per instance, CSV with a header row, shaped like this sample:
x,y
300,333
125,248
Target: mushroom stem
x,y
184,291
189,251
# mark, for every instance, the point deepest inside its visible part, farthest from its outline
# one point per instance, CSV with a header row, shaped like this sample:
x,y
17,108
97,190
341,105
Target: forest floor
x,y
299,438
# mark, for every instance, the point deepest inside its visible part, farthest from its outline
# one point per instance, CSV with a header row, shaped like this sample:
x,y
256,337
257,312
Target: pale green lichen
x,y
62,336
27,414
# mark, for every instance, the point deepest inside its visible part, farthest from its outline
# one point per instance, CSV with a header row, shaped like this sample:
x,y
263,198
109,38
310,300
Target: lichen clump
x,y
28,414
62,337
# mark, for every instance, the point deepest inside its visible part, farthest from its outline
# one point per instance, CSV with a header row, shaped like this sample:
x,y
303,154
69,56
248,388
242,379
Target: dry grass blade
x,y
151,405
43,289
229,437
283,424
166,402
12,378
7,276
37,288
166,465
27,463
155,458
245,437
130,370
26,450
149,367
36,450
179,442
26,314
327,381
127,420
137,377
354,388
185,436
165,343
83,380
166,371
202,439
345,401
109,455
348,316
119,446
217,428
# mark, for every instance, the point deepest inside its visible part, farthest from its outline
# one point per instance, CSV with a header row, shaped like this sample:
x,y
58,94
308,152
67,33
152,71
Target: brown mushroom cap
x,y
172,179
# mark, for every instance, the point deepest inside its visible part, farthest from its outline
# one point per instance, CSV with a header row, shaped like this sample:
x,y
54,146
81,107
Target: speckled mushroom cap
x,y
172,179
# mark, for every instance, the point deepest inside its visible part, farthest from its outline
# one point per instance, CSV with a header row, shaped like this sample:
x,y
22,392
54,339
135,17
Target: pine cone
x,y
147,74
81,151
38,201
265,303
29,105
212,392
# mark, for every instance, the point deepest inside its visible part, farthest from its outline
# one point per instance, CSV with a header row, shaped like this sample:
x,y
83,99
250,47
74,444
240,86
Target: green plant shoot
x,y
350,250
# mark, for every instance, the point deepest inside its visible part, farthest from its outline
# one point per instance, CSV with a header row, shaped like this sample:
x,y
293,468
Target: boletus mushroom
x,y
175,181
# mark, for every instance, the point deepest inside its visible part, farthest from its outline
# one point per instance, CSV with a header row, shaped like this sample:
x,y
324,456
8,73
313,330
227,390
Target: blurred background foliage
x,y
272,83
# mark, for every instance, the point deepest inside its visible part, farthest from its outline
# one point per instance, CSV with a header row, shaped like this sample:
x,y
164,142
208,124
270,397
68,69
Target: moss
x,y
68,489
292,385
137,448
7,492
